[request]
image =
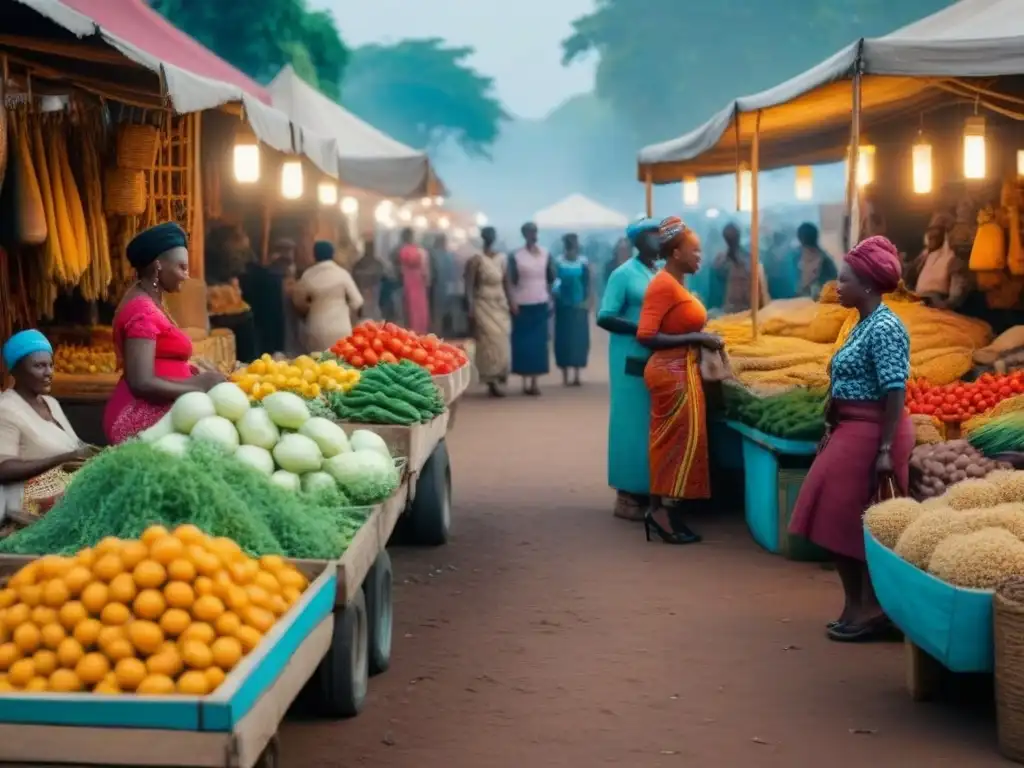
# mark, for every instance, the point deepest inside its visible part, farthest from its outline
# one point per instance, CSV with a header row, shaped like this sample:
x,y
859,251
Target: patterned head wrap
x,y
23,344
877,261
671,230
639,227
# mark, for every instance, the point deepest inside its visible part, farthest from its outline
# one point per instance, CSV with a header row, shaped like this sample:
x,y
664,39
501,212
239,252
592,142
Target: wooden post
x,y
853,162
648,193
197,204
755,239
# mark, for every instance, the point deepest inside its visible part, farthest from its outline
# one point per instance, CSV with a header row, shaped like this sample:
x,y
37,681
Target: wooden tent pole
x,y
755,238
648,193
853,162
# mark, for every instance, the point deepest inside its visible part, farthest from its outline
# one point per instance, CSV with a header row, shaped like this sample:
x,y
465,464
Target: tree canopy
x,y
423,93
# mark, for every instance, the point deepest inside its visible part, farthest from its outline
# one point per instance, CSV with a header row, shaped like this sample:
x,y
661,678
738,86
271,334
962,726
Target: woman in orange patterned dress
x,y
672,325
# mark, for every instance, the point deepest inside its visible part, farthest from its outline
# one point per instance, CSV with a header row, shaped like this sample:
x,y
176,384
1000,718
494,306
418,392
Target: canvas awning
x,y
578,212
368,158
806,120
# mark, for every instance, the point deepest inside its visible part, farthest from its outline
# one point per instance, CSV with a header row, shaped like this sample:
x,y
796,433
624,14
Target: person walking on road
x,y
490,309
572,311
414,264
531,273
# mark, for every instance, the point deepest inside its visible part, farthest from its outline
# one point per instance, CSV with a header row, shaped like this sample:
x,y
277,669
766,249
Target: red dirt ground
x,y
548,633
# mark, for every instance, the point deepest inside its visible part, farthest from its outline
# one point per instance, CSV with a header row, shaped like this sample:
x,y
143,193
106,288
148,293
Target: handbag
x,y
715,366
887,489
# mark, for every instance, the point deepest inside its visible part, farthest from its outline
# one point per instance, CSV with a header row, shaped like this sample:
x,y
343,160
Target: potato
x,y
962,462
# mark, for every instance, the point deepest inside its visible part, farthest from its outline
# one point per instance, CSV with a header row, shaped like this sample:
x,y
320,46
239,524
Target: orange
x,y
117,650
109,634
268,582
7,597
204,585
166,662
52,635
248,637
166,550
17,615
31,594
278,605
193,684
108,566
133,553
205,562
55,593
146,636
245,571
28,638
87,632
227,651
272,563
26,575
77,579
208,608
226,549
107,687
189,534
179,595
5,687
9,653
65,681
227,624
72,613
214,677
53,566
174,622
258,596
152,534
92,668
69,652
45,662
37,684
236,598
129,673
155,685
181,570
196,655
21,672
150,604
200,631
122,588
108,545
43,615
292,577
115,614
86,557
149,574
258,618
95,596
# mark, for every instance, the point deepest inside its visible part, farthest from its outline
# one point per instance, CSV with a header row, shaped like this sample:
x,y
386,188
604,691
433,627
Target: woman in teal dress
x,y
629,412
572,311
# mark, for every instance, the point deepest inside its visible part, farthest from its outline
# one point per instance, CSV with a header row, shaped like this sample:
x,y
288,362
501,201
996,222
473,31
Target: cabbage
x,y
297,453
256,428
218,431
189,409
366,477
257,458
286,410
287,480
329,436
365,440
175,444
162,428
317,481
229,400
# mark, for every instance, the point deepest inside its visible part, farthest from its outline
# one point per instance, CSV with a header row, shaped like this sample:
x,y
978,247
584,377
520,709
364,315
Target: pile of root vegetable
x,y
970,536
796,414
934,467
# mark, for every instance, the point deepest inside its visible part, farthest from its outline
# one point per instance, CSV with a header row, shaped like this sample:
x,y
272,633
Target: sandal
x,y
876,629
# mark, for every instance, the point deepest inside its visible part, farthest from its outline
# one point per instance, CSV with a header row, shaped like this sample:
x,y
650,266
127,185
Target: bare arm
x,y
671,340
894,403
139,359
471,267
507,284
20,470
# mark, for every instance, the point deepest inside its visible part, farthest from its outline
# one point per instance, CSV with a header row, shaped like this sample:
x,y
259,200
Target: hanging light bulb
x,y
439,201
691,191
291,180
420,222
804,183
443,223
350,206
426,202
481,220
974,148
921,160
746,190
866,165
1020,163
247,163
405,214
327,193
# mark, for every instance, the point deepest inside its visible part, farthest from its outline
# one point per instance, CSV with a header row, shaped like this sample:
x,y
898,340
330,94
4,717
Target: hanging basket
x,y
137,146
124,192
1008,636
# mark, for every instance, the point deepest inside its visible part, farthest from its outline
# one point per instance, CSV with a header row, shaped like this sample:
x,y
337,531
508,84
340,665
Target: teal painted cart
x,y
330,641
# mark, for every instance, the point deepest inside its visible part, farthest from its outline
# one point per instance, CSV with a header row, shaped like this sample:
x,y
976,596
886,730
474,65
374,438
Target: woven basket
x,y
137,147
124,192
41,493
1008,632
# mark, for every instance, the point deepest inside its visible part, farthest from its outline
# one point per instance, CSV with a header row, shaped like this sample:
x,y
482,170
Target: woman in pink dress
x,y
151,350
415,265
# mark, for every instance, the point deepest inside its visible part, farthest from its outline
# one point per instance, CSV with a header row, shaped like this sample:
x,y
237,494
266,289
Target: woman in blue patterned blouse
x,y
868,438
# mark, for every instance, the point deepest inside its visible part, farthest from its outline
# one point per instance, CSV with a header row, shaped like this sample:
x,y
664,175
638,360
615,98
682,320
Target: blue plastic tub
x,y
951,624
725,446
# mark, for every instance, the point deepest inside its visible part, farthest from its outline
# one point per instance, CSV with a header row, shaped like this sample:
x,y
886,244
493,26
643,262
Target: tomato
x,y
377,345
387,357
371,357
356,361
419,356
1005,391
359,342
392,328
430,369
395,345
406,352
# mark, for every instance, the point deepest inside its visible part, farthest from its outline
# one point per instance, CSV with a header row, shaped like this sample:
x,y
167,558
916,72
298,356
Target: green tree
x,y
264,36
423,93
670,65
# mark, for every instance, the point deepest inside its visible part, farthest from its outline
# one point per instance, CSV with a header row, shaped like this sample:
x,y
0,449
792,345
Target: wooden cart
x,y
330,640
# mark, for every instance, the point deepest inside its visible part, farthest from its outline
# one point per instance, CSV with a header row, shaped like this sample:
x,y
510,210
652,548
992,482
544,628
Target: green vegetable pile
x,y
798,414
1000,434
390,393
126,489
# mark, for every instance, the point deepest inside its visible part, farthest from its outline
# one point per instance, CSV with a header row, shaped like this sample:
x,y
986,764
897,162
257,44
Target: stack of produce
x,y
999,435
961,401
371,343
77,359
794,415
390,393
281,440
167,613
303,376
934,467
225,299
971,536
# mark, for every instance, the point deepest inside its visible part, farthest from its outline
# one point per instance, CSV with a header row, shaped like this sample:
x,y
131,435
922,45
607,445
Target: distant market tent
x,y
578,212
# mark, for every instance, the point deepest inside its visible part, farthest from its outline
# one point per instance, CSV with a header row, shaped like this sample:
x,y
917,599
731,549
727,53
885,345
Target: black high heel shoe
x,y
679,534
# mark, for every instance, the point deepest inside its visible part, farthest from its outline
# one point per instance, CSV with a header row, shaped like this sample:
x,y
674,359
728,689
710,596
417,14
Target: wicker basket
x,y
41,493
137,146
1008,634
124,192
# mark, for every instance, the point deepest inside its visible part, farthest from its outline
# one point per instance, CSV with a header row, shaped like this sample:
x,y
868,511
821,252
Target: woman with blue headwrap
x,y
35,436
630,407
327,297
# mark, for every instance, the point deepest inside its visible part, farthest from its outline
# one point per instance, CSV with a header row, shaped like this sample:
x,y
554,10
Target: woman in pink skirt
x,y
868,437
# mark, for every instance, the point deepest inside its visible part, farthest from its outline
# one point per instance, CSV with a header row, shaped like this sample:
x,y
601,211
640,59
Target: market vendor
x,y
939,275
35,435
811,265
732,270
151,350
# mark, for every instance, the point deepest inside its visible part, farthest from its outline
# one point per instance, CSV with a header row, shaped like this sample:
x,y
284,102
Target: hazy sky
x,y
517,41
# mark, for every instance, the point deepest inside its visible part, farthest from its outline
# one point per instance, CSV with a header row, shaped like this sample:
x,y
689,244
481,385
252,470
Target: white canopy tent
x,y
578,212
806,120
368,158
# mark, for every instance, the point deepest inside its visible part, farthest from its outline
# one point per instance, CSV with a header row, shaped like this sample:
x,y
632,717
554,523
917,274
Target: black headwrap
x,y
147,246
323,250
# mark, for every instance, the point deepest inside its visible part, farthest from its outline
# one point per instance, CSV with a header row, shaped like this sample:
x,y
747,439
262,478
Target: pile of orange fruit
x,y
171,613
303,376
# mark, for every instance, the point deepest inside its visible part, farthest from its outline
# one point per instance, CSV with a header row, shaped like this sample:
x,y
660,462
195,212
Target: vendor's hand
x,y
82,453
883,464
207,380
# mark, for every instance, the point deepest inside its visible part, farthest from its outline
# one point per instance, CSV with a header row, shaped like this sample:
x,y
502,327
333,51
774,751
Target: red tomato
x,y
371,357
359,342
391,328
377,345
387,357
356,361
406,352
419,356
395,345
430,369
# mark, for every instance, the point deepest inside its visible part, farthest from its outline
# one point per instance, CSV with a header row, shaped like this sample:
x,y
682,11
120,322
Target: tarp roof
x,y
806,120
369,158
196,83
579,212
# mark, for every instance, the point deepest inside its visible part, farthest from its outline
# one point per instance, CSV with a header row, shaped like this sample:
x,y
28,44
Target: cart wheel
x,y
431,513
379,612
342,675
271,757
